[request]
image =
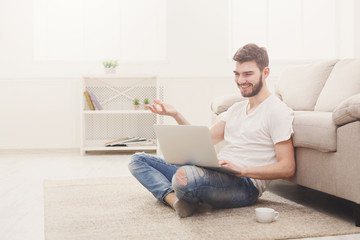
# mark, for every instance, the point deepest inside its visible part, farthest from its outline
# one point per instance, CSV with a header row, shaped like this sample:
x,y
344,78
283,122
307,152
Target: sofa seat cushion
x,y
315,130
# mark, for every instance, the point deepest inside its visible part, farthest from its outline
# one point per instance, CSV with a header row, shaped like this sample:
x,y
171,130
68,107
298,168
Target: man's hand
x,y
230,165
165,109
168,110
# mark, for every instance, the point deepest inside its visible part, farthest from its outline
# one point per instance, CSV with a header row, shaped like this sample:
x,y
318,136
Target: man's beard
x,y
255,89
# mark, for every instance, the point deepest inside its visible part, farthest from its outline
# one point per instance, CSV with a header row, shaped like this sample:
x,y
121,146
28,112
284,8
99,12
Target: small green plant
x,y
136,101
146,104
110,63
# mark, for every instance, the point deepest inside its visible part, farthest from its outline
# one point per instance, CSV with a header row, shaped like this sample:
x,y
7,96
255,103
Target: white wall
x,y
40,113
40,101
357,28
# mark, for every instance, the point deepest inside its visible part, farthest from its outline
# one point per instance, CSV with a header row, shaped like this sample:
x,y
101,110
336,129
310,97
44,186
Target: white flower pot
x,y
110,70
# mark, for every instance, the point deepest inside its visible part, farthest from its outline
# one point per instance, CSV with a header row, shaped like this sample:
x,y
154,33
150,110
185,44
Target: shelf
x,y
98,145
137,148
116,93
117,76
116,112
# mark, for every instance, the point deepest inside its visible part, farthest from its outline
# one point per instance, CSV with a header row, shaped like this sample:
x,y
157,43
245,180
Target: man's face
x,y
248,78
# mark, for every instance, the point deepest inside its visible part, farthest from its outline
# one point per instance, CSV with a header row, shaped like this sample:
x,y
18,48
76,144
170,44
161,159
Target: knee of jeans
x,y
184,182
185,177
135,160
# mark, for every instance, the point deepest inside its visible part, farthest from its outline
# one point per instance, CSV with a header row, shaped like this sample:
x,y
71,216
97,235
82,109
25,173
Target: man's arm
x,y
283,168
217,132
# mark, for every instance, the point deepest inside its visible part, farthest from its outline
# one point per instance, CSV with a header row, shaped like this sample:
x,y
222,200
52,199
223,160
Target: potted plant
x,y
110,66
146,103
136,103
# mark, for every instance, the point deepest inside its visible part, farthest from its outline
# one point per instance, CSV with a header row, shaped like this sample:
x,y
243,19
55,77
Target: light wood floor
x,y
21,192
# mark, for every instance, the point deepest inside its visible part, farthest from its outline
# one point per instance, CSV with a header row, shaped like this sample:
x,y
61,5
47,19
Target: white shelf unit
x,y
118,118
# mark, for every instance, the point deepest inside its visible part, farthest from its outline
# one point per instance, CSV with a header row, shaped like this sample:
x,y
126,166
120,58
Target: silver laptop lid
x,y
186,144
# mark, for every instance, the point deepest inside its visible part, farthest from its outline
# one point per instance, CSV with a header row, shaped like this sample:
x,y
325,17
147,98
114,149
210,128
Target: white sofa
x,y
325,97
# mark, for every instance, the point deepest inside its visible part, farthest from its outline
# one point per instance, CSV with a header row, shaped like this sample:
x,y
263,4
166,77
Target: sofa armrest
x,y
221,104
347,111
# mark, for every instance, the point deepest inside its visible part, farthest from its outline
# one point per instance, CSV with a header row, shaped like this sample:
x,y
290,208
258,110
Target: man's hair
x,y
252,52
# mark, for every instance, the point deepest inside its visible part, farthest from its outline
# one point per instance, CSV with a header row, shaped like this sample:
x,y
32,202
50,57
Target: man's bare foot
x,y
185,209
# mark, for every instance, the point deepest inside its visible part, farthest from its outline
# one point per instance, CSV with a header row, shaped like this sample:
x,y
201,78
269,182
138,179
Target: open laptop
x,y
188,145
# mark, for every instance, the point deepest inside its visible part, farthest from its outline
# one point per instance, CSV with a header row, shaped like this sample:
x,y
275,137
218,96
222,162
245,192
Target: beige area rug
x,y
120,208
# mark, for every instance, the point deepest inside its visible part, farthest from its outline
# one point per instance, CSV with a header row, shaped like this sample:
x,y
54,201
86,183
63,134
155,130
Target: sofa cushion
x,y
300,87
315,130
347,111
343,82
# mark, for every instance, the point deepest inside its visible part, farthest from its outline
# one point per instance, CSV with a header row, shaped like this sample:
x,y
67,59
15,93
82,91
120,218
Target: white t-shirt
x,y
250,138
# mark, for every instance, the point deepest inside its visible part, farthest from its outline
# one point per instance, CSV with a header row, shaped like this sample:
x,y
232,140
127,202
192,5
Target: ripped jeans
x,y
191,183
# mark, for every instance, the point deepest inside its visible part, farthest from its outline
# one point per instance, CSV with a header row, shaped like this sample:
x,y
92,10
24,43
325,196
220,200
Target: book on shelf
x,y
95,101
128,141
88,100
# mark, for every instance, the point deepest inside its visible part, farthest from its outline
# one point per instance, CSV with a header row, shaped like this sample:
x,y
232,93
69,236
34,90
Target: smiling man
x,y
257,144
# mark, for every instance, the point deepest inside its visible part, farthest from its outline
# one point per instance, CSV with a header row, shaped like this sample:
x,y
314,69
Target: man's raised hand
x,y
163,108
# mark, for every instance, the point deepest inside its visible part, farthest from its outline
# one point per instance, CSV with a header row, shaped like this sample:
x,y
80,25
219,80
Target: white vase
x,y
110,70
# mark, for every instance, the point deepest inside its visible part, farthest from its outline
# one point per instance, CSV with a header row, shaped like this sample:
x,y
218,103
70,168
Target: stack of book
x,y
128,141
92,101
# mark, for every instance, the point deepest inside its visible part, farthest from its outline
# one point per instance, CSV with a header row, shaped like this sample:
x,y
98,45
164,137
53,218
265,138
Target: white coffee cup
x,y
266,215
